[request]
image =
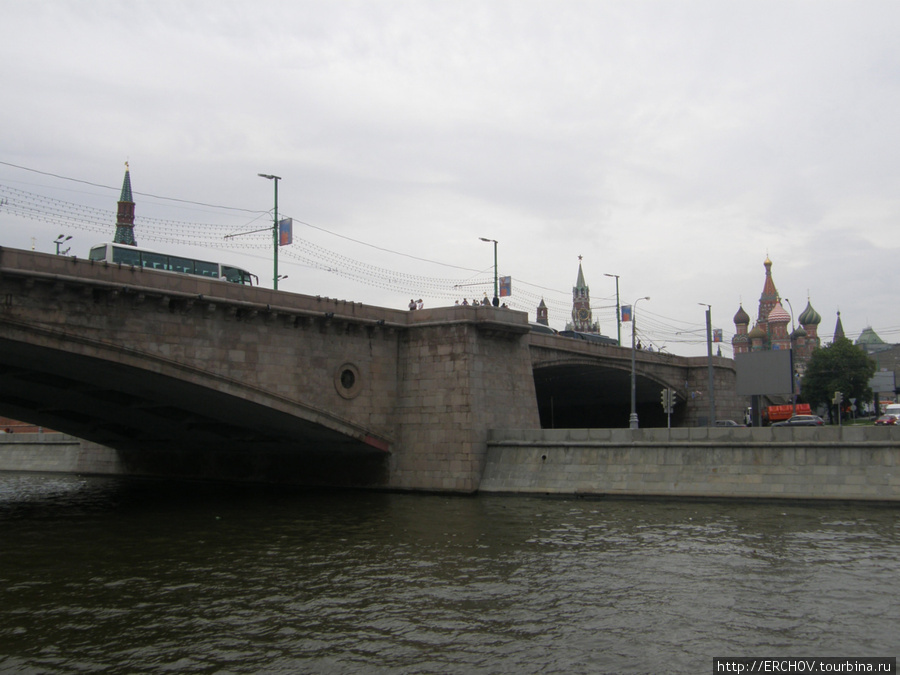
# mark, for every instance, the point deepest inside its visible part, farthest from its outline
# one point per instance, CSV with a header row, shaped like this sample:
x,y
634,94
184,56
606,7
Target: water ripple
x,y
100,575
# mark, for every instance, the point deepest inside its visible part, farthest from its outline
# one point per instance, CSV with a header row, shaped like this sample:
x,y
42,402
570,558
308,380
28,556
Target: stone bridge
x,y
194,377
583,384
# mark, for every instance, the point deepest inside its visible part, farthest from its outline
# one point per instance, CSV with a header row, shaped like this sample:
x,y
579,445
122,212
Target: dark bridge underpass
x,y
577,396
152,419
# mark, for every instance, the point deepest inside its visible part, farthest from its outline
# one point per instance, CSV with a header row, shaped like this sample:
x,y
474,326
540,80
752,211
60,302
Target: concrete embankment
x,y
56,453
853,463
832,463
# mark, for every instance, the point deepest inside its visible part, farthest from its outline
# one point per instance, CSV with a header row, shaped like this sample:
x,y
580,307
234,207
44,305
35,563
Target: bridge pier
x,y
463,371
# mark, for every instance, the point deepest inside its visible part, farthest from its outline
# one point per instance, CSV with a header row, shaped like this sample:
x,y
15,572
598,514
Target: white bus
x,y
892,409
152,260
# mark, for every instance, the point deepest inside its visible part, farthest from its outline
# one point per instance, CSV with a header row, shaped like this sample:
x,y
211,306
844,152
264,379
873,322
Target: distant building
x,y
887,360
582,316
838,329
771,329
542,316
869,342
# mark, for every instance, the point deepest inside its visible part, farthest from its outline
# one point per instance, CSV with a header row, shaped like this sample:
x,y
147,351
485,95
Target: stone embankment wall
x,y
54,452
853,463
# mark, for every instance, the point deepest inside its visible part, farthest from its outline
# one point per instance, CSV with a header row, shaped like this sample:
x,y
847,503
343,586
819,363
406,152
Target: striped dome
x,y
809,316
778,314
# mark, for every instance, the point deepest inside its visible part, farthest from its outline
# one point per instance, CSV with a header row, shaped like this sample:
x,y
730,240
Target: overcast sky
x,y
675,144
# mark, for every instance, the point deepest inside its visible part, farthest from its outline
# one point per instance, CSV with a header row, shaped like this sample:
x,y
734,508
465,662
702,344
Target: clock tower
x,y
582,318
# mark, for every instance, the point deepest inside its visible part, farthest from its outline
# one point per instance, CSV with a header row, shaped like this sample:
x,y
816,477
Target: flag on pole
x,y
505,287
626,313
717,335
285,232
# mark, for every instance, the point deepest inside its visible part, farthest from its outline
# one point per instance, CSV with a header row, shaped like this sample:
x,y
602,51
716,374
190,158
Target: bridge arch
x,y
114,395
590,395
588,385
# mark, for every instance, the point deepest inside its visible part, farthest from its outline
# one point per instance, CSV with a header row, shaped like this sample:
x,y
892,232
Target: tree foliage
x,y
841,366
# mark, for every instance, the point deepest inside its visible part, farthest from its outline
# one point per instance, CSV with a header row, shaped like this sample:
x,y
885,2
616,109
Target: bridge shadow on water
x,y
264,463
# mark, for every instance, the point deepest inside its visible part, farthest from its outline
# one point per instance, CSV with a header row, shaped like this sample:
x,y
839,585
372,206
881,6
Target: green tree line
x,y
841,366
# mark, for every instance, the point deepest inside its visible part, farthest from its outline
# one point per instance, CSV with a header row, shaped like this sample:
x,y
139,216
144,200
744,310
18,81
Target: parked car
x,y
801,421
727,423
886,419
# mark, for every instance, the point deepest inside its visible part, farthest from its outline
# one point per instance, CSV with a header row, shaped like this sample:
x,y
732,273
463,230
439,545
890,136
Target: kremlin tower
x,y
582,316
125,215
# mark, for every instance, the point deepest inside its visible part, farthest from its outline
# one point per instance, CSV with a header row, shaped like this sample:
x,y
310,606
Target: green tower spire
x,y
125,215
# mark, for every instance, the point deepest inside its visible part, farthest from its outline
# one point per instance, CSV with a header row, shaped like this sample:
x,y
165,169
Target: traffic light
x,y
667,398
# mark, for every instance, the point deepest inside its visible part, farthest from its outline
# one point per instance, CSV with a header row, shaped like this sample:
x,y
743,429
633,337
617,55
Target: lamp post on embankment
x,y
496,301
633,419
712,381
618,309
794,376
59,241
274,178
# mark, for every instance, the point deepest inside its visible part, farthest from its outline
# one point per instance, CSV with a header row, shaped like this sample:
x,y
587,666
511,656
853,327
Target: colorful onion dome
x,y
741,318
757,333
778,314
809,317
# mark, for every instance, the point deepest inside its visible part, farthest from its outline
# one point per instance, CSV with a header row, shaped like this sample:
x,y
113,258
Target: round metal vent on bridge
x,y
347,381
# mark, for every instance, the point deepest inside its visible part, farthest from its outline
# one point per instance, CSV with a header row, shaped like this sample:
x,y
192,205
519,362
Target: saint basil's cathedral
x,y
771,329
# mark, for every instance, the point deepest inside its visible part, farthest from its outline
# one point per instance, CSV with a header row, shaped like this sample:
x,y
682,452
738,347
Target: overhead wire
x,y
224,237
526,296
143,194
37,207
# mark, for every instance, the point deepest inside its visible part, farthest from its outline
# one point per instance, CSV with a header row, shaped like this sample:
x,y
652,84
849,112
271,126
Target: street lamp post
x,y
793,374
618,309
496,289
792,314
274,226
633,419
709,365
59,241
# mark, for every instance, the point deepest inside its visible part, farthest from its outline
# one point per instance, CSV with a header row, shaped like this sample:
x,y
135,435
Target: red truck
x,y
777,413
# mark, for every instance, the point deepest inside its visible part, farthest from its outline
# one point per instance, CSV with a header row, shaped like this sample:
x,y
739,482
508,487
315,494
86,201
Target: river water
x,y
105,575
